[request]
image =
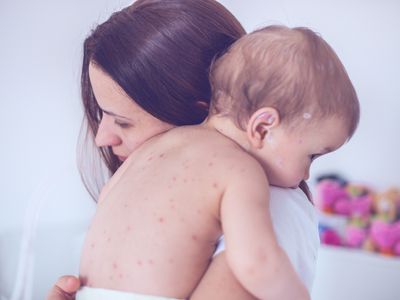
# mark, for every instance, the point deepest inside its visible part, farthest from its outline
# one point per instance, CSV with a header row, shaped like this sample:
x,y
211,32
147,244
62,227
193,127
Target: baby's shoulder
x,y
235,162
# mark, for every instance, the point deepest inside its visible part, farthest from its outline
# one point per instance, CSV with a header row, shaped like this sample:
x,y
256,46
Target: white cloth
x,y
296,227
88,293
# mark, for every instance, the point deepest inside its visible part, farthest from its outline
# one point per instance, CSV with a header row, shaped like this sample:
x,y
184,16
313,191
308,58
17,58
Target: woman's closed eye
x,y
122,124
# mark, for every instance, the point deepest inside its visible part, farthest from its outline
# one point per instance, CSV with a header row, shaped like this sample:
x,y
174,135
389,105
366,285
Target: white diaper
x,y
88,293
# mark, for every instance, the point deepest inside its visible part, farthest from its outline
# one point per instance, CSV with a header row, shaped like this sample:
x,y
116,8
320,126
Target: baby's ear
x,y
260,125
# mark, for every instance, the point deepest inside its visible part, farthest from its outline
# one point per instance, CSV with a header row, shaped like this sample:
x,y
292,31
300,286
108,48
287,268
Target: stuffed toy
x,y
386,205
368,220
386,237
330,195
329,236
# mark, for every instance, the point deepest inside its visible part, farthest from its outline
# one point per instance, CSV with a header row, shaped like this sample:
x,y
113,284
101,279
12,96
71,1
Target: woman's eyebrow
x,y
115,115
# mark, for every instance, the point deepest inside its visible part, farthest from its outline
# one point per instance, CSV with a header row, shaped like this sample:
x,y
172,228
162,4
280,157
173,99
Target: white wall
x,y
40,52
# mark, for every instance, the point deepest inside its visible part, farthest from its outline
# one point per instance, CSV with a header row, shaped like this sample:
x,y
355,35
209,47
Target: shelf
x,y
352,274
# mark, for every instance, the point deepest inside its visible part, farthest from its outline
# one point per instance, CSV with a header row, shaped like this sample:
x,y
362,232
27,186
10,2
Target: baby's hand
x,y
64,289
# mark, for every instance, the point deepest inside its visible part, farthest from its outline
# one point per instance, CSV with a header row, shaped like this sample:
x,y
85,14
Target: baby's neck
x,y
227,128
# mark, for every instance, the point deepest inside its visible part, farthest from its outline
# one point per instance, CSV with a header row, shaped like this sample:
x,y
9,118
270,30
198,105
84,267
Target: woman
x,y
158,53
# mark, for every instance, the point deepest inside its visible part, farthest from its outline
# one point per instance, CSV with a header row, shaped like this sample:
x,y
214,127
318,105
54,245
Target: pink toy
x,y
329,193
386,237
348,200
355,236
329,236
371,220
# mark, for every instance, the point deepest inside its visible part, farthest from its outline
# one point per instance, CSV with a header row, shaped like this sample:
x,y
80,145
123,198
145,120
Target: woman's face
x,y
124,125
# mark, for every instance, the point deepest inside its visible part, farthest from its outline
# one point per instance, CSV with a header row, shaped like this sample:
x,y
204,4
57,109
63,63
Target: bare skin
x,y
173,193
64,289
219,283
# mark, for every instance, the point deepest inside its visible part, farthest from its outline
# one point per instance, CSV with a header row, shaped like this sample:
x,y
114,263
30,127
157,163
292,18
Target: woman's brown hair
x,y
159,52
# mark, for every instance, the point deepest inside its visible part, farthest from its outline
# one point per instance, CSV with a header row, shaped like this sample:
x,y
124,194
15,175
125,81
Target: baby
x,y
281,98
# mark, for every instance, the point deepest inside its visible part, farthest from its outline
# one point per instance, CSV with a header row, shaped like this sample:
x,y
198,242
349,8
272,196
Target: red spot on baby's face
x,y
194,237
215,185
161,220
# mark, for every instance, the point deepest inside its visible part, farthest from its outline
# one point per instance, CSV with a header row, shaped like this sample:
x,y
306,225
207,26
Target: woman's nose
x,y
106,134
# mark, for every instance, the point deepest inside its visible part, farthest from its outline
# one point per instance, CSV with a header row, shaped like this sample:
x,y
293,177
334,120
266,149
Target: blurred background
x,y
40,58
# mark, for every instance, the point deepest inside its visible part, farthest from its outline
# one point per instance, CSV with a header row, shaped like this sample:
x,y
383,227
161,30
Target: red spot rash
x,y
114,265
161,220
215,185
194,237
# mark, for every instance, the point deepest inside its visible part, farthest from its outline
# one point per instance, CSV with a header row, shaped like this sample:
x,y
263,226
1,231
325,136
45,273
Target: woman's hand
x,y
64,289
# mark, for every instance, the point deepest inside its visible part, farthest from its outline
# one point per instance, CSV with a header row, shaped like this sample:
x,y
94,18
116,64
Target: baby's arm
x,y
252,250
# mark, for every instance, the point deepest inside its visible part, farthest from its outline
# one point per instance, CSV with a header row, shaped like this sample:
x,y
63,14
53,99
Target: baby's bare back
x,y
157,221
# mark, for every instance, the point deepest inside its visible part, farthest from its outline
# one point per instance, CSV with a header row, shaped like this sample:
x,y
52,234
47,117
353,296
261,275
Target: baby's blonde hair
x,y
292,70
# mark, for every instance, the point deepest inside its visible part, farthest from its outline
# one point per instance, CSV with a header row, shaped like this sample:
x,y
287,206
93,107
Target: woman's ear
x,y
260,125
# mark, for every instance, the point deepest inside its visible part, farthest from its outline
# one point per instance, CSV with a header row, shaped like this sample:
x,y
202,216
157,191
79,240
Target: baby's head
x,y
289,91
